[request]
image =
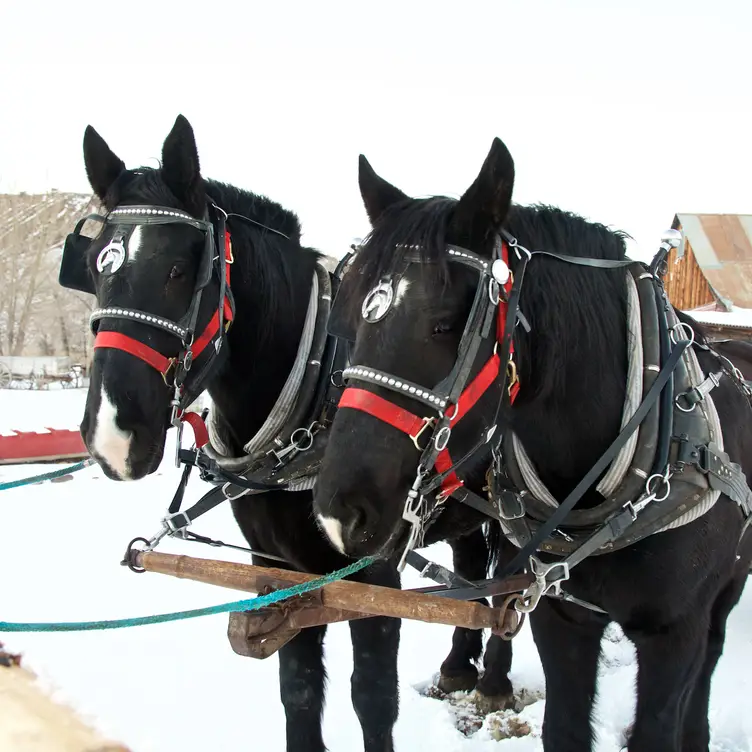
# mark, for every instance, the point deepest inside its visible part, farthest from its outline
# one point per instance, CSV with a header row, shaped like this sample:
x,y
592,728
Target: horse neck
x,y
573,367
272,294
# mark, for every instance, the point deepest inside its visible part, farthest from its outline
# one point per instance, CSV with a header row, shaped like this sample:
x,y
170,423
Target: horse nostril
x,y
346,525
356,529
358,518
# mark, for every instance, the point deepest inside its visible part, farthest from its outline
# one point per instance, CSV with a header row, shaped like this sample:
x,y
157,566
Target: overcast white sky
x,y
626,112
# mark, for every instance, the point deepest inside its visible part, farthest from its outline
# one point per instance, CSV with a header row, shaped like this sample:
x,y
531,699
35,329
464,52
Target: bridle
x,y
496,301
187,381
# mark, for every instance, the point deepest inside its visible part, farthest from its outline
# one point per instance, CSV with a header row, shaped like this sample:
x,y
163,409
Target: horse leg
x,y
494,689
670,658
696,731
301,687
374,682
458,671
569,645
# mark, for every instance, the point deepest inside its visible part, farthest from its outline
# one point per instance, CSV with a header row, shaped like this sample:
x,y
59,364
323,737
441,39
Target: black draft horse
x,y
146,274
408,303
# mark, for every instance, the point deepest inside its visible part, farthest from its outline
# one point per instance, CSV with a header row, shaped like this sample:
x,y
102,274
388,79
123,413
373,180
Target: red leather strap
x,y
200,431
368,402
155,359
206,336
502,320
476,388
451,482
229,261
123,342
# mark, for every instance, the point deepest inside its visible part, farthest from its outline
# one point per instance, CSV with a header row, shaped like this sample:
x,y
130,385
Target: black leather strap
x,y
521,559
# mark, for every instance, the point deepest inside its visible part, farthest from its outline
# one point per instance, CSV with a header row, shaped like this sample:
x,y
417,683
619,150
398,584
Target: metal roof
x,y
722,246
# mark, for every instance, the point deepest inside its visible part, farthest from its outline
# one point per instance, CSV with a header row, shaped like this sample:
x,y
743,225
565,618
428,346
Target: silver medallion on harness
x,y
112,256
378,302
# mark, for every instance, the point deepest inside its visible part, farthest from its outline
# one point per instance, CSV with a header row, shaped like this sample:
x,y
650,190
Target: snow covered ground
x,y
179,686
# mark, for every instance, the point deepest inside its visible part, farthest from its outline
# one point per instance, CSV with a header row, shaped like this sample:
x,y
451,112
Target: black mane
x,y
145,184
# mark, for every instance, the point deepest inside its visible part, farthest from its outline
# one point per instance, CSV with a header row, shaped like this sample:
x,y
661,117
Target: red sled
x,y
23,447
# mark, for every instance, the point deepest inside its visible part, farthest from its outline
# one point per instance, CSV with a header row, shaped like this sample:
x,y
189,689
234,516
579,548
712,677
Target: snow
x,y
735,317
179,686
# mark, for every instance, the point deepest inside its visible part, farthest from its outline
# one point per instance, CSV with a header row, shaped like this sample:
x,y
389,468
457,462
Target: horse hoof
x,y
494,703
458,682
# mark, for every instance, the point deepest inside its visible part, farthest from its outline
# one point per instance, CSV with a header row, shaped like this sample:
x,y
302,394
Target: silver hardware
x,y
665,478
413,514
685,329
220,210
243,492
172,527
112,255
677,402
305,442
175,421
378,302
301,440
500,271
651,494
493,291
442,438
154,540
543,583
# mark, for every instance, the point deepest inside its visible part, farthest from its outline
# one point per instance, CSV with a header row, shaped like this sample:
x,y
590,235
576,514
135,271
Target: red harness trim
x,y
154,358
132,346
475,390
368,402
413,426
200,431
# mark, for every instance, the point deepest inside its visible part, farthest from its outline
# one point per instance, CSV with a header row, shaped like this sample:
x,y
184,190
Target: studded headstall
x,y
177,371
496,300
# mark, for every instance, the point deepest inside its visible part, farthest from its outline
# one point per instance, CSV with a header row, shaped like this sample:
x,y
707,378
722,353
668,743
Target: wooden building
x,y
710,274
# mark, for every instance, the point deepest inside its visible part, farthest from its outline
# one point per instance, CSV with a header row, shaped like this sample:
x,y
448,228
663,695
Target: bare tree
x,y
37,316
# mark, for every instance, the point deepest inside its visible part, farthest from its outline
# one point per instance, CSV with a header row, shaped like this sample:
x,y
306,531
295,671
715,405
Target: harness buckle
x,y
171,363
442,438
426,423
512,376
493,291
229,497
544,581
175,523
412,514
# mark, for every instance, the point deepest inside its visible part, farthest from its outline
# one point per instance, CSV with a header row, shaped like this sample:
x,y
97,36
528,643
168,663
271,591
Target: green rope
x,y
47,476
249,604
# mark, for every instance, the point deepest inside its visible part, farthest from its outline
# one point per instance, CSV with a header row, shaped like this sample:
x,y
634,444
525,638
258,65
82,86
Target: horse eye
x,y
176,272
443,327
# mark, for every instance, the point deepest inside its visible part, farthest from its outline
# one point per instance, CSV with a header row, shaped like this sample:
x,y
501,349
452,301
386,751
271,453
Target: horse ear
x,y
485,204
180,167
378,195
102,165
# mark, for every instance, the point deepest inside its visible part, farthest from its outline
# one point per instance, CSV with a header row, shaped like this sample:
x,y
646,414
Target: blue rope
x,y
249,604
47,476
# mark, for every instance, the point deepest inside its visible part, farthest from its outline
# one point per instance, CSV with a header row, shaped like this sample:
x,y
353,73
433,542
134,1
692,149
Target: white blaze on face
x,y
402,287
333,530
134,244
111,443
